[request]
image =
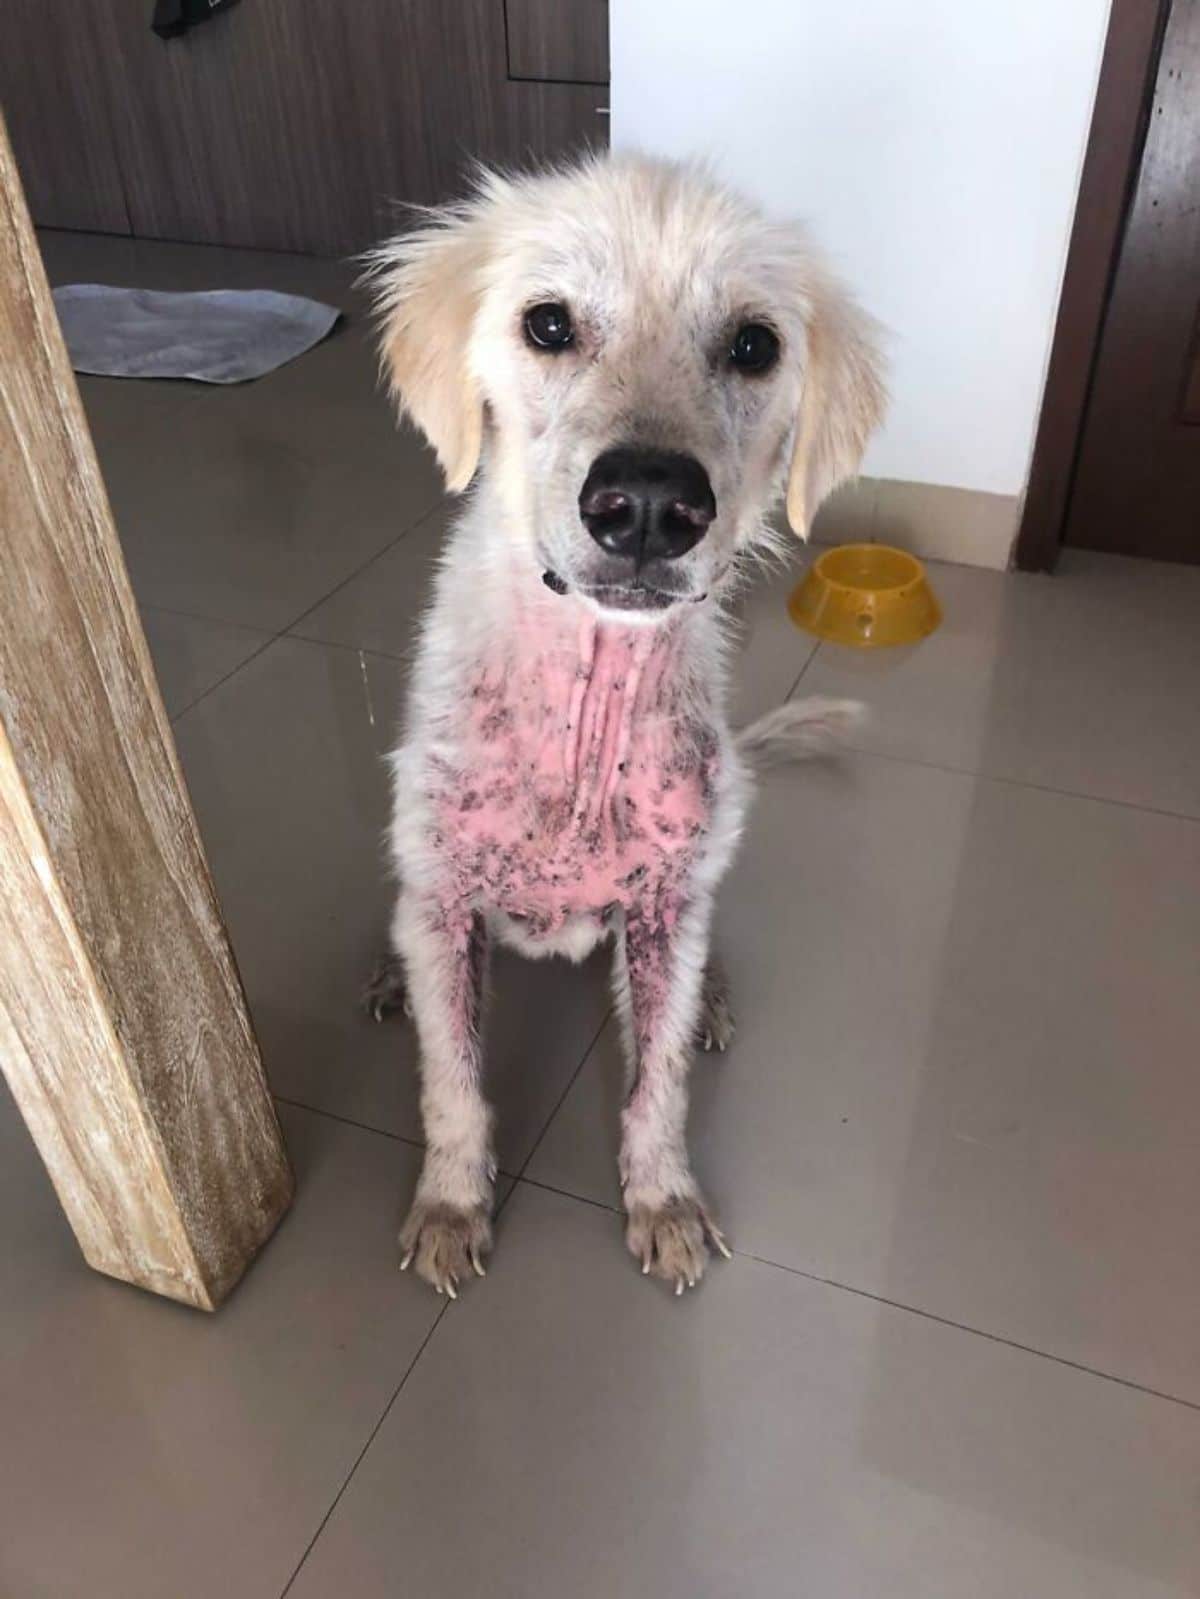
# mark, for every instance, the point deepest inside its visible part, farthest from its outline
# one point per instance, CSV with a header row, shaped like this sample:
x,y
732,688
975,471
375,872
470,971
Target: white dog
x,y
628,364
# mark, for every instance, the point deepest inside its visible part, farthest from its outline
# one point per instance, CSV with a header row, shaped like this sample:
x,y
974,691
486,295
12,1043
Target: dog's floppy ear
x,y
427,286
841,404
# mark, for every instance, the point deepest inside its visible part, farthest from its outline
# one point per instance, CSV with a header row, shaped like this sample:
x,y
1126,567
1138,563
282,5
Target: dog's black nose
x,y
646,504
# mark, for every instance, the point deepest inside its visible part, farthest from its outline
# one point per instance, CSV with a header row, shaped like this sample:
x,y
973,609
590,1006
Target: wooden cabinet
x,y
289,126
242,130
57,103
552,41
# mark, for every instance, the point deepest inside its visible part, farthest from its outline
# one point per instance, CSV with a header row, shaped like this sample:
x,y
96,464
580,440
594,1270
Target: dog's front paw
x,y
445,1244
671,1239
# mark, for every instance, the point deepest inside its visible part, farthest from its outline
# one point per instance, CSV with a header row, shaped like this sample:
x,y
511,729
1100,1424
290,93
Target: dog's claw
x,y
407,1261
445,1244
717,1238
386,991
714,1025
671,1241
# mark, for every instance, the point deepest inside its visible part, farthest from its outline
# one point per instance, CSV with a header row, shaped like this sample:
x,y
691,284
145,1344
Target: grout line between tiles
x,y
565,1193
337,1498
380,1132
394,656
978,1332
812,657
233,671
366,565
1020,782
900,1304
284,631
350,649
561,1100
348,1121
515,1181
995,777
276,638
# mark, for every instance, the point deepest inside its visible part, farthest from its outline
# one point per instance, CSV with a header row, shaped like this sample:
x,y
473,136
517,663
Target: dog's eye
x,y
755,347
548,326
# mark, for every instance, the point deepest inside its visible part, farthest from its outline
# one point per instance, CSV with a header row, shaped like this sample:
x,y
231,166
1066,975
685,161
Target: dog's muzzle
x,y
646,505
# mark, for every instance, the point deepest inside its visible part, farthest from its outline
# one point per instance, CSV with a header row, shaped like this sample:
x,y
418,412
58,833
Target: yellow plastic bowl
x,y
866,595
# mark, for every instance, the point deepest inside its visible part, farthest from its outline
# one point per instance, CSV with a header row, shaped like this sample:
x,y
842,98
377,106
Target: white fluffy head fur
x,y
659,265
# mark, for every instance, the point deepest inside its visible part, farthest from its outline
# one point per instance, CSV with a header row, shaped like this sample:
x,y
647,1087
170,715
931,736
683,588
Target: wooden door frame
x,y
1111,165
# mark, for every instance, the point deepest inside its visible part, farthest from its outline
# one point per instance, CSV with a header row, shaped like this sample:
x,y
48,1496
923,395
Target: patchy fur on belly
x,y
584,782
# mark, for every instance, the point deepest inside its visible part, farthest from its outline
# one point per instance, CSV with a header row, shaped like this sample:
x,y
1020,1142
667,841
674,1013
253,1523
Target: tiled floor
x,y
956,1142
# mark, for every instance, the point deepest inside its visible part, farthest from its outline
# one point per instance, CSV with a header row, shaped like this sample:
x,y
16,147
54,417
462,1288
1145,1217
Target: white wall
x,y
934,145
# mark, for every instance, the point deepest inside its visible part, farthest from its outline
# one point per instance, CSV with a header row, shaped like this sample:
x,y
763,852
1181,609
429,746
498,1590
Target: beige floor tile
x,y
964,1076
192,654
151,1450
1087,681
573,1429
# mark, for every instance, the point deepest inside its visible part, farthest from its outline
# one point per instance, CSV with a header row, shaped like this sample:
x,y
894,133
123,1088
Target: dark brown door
x,y
1137,481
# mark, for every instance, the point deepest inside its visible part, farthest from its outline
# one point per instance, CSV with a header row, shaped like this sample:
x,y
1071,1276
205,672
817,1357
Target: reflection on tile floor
x,y
955,1142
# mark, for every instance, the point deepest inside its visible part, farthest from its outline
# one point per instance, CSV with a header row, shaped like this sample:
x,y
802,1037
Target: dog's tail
x,y
798,730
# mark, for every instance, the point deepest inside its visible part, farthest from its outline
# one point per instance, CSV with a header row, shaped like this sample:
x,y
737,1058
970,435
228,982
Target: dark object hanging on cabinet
x,y
173,17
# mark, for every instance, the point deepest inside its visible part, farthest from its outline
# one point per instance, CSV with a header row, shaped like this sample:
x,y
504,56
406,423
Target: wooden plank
x,y
1106,184
123,1028
55,92
558,40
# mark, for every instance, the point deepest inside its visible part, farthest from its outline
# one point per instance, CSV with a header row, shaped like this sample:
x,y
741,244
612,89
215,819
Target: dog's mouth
x,y
632,596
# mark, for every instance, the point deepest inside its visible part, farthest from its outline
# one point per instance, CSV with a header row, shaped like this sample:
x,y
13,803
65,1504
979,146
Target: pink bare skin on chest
x,y
583,784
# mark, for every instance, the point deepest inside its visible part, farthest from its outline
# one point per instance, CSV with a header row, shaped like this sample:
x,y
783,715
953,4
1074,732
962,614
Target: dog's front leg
x,y
449,1227
659,973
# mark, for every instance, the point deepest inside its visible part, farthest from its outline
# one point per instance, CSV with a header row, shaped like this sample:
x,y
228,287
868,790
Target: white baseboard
x,y
930,519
